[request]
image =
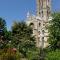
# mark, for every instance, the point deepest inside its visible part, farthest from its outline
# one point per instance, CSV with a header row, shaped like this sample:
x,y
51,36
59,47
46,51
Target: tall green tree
x,y
5,35
22,37
2,32
54,31
2,26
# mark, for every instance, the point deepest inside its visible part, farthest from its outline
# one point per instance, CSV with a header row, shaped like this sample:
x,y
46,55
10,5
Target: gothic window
x,y
43,31
42,42
48,13
42,38
39,12
42,13
32,25
39,24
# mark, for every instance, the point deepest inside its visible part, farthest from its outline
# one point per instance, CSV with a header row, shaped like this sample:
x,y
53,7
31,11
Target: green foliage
x,y
5,35
2,23
22,37
53,52
33,54
3,26
53,55
2,33
54,31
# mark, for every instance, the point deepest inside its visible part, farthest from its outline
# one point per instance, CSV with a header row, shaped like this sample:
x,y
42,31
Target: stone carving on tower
x,y
40,21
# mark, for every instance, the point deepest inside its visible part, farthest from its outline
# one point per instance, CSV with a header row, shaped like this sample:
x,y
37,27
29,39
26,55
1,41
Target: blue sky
x,y
11,10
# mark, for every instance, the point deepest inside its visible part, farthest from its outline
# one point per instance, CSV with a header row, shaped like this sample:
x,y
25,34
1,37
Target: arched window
x,y
43,31
39,24
31,25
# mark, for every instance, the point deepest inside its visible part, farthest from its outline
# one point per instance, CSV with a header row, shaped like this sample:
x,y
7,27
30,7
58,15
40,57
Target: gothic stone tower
x,y
40,21
44,12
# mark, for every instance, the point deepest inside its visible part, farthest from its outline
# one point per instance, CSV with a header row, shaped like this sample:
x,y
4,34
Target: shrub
x,y
33,55
9,54
53,55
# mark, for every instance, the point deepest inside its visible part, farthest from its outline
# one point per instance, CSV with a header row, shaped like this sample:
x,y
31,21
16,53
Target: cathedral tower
x,y
40,21
43,12
43,8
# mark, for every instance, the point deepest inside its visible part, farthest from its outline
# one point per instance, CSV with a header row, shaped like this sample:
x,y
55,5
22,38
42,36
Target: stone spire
x,y
28,14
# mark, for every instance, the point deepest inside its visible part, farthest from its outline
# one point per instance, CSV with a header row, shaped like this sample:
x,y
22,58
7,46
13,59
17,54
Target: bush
x,y
53,55
9,54
33,55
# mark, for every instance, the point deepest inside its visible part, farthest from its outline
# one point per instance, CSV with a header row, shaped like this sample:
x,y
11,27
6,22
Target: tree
x,y
2,32
5,35
2,26
54,31
22,37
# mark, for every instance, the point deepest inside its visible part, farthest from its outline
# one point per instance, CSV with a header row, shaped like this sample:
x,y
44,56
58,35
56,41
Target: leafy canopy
x,y
22,37
54,31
